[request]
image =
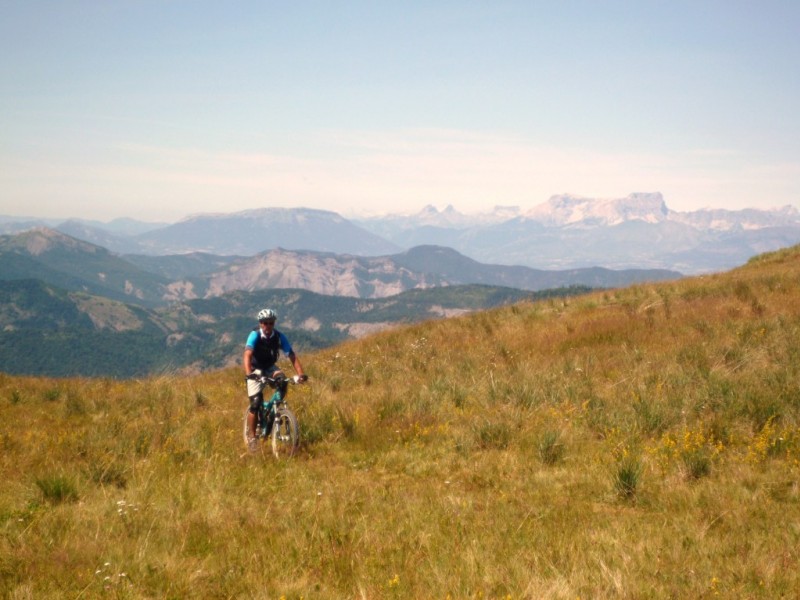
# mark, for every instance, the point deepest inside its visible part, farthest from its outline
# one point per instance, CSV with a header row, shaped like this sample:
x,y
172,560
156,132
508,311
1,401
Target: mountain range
x,y
128,298
638,231
75,265
69,307
566,232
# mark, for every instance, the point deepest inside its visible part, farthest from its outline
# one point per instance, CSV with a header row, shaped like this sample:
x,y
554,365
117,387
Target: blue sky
x,y
158,110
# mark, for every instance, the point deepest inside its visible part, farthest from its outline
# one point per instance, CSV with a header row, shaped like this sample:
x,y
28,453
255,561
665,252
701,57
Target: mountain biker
x,y
261,352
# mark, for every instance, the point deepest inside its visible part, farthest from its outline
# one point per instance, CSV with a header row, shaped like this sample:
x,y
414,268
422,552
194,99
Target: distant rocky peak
x,y
645,206
429,212
451,218
433,217
430,209
498,214
568,210
747,219
41,240
268,215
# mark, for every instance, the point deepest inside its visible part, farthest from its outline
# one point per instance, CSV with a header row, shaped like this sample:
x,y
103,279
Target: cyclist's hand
x,y
251,376
300,378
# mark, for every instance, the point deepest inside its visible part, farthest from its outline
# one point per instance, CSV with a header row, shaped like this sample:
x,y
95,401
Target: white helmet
x,y
267,314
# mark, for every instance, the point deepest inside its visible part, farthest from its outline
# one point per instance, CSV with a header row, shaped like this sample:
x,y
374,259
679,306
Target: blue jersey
x,y
265,349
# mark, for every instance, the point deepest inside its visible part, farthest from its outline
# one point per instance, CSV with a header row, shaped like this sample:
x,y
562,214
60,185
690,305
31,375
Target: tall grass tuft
x,y
550,447
15,397
57,488
493,435
347,420
697,463
627,476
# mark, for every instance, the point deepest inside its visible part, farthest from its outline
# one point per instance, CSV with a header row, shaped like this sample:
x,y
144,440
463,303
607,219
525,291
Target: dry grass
x,y
632,443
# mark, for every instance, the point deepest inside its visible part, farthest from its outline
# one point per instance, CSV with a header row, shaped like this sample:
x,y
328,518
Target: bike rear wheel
x,y
285,434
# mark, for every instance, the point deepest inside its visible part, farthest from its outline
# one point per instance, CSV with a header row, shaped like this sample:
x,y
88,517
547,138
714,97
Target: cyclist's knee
x,y
255,402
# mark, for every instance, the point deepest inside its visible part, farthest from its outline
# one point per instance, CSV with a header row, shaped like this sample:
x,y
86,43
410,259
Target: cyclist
x,y
261,352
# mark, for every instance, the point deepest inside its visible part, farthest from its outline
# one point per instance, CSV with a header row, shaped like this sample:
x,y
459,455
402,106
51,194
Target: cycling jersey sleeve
x,y
285,345
251,340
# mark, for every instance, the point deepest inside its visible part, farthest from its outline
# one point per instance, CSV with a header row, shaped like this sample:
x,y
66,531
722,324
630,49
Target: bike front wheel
x,y
285,434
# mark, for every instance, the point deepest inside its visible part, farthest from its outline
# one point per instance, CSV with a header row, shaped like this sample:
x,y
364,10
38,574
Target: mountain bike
x,y
275,421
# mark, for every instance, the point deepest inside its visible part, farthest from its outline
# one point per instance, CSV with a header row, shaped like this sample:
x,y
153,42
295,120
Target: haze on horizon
x,y
156,110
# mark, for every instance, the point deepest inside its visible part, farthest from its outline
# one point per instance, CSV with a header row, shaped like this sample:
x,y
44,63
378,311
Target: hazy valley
x,y
159,297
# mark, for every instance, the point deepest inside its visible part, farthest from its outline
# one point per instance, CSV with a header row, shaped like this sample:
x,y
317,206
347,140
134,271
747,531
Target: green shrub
x,y
550,447
493,435
697,463
57,489
627,476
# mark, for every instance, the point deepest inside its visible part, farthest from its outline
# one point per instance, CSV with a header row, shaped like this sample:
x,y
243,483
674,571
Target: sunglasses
x,y
270,322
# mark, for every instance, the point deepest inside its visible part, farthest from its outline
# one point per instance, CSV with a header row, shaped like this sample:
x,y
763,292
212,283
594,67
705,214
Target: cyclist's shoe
x,y
252,445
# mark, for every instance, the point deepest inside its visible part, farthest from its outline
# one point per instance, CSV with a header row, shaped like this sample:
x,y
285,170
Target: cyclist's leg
x,y
251,417
255,394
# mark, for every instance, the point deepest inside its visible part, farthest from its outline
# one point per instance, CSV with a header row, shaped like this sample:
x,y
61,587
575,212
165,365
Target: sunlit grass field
x,y
634,443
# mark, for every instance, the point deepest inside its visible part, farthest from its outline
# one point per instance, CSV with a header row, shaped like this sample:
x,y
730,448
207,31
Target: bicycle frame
x,y
269,408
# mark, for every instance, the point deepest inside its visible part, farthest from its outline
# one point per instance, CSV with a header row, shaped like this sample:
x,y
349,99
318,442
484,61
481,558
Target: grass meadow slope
x,y
636,443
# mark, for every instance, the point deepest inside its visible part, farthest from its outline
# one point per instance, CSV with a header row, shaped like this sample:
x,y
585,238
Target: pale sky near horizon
x,y
156,110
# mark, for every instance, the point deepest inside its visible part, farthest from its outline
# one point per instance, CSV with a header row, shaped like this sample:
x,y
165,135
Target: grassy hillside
x,y
639,443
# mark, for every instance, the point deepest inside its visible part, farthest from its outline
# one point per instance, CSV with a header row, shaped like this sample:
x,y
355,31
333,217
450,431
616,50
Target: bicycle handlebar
x,y
277,380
